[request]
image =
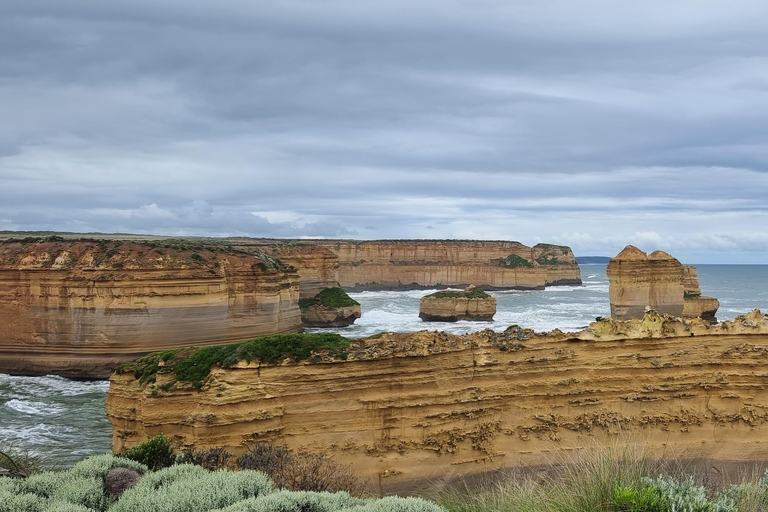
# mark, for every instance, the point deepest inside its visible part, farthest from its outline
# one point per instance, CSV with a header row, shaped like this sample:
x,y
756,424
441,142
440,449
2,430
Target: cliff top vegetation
x,y
331,298
474,293
194,364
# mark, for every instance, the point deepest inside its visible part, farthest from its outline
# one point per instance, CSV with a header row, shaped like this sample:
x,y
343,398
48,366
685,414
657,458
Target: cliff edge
x,y
410,408
79,307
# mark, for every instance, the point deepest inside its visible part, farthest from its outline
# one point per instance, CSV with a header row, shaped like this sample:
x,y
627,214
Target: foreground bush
x,y
606,480
179,488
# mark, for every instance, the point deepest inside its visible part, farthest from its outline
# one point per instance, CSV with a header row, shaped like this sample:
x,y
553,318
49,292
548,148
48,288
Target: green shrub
x,y
631,499
194,364
686,496
155,453
331,298
513,261
193,491
475,293
290,501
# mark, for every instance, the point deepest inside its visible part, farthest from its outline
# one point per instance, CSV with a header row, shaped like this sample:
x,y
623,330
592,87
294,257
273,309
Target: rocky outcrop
x,y
421,264
332,307
657,281
452,306
79,307
420,407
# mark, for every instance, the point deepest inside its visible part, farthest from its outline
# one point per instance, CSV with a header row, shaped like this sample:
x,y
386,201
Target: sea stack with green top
x,y
332,307
452,306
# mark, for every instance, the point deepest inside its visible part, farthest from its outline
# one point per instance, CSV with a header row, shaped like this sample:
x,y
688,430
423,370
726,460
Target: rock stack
x,y
639,281
452,306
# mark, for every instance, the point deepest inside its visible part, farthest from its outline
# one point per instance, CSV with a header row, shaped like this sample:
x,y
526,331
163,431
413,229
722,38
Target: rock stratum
x,y
421,264
639,281
405,409
79,307
452,306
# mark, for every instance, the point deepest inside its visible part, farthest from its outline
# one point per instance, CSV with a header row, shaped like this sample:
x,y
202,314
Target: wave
x,y
34,408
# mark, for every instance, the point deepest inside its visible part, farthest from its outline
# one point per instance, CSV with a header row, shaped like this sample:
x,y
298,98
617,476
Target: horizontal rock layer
x,y
412,264
317,315
78,308
453,309
407,408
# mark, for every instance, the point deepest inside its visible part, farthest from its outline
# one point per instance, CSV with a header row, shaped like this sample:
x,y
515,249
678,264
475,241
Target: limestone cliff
x,y
413,264
408,408
317,266
452,306
659,281
79,307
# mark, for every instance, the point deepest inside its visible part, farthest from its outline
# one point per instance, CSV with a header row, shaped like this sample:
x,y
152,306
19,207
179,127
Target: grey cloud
x,y
386,118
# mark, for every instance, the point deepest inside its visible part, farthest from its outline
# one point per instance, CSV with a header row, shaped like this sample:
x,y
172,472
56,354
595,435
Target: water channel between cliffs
x,y
65,420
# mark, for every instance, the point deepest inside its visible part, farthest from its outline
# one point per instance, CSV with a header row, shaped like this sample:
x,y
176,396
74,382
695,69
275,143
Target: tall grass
x,y
587,481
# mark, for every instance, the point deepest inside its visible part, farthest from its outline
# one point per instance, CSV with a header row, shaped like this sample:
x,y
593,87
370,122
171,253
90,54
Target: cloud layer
x,y
593,124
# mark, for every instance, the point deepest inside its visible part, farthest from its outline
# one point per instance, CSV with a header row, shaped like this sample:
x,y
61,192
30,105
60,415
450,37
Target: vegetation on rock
x,y
513,261
330,298
475,293
194,364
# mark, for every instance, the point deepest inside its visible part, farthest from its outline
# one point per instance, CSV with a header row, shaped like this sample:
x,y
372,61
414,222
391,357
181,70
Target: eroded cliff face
x,y
317,266
413,264
421,407
78,308
658,281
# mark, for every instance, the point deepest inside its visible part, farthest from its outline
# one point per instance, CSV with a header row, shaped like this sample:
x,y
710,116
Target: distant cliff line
x,y
397,264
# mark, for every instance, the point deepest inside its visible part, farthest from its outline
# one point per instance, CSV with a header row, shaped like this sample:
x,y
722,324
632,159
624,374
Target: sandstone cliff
x,y
408,408
413,264
78,308
452,306
659,281
317,266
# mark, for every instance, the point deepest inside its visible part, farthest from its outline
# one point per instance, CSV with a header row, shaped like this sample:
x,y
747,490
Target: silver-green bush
x,y
192,488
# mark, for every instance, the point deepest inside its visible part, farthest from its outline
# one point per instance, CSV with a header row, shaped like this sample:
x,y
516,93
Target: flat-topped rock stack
x,y
452,306
639,281
331,307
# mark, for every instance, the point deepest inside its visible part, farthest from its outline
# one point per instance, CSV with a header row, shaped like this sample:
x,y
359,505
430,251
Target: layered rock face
x,y
78,308
332,307
317,266
659,281
405,409
450,306
414,264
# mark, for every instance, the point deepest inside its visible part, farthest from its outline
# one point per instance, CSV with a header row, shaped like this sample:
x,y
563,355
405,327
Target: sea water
x,y
64,421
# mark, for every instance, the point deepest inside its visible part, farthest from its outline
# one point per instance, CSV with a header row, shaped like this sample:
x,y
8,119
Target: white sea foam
x,y
34,408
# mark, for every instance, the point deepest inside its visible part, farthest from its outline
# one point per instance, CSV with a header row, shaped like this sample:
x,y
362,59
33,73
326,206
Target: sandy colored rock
x,y
324,316
454,306
418,264
405,409
656,281
78,308
318,267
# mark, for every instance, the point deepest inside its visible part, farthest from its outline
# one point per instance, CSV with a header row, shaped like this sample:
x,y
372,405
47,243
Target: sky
x,y
590,123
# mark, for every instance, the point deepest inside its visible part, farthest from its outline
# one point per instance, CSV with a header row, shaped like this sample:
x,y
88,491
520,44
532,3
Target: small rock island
x,y
332,307
452,306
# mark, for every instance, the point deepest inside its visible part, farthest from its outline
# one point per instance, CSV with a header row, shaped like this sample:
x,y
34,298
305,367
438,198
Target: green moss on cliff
x,y
513,261
476,293
331,298
194,364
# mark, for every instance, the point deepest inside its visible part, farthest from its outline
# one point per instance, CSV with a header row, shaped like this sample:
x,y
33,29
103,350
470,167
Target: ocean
x,y
64,421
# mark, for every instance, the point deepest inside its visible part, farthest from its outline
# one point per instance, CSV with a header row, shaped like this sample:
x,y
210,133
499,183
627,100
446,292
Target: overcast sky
x,y
588,123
